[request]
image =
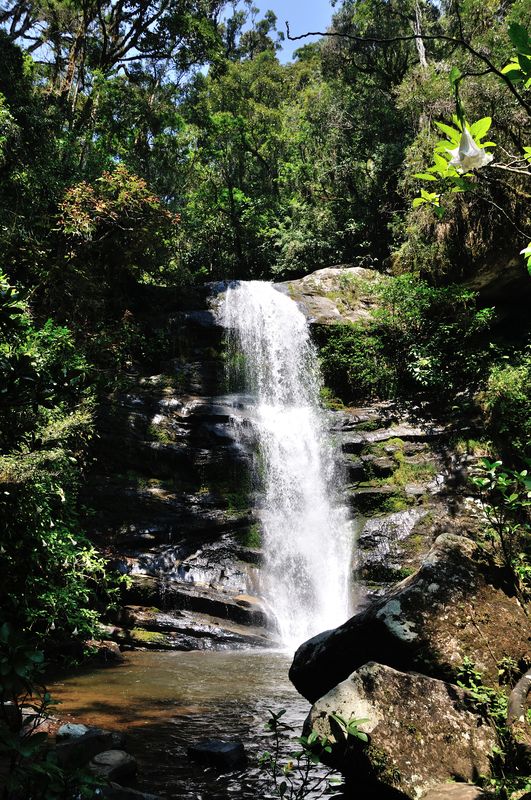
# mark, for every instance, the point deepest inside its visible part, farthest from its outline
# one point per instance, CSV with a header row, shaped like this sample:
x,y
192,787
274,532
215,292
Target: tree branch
x,y
441,37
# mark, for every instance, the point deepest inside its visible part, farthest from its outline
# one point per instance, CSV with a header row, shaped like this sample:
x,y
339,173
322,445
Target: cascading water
x,y
306,532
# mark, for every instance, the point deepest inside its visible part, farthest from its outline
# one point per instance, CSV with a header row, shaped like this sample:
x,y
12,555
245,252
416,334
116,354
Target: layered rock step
x,y
176,515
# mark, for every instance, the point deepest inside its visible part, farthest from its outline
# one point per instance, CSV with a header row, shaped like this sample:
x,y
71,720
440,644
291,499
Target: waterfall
x,y
306,532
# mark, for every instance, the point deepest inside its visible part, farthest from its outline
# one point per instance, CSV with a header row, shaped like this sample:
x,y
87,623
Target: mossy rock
x,y
139,637
373,500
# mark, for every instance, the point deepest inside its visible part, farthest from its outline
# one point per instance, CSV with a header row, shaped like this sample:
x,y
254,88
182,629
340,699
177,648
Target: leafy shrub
x,y
505,502
421,339
42,369
507,404
354,364
54,581
33,771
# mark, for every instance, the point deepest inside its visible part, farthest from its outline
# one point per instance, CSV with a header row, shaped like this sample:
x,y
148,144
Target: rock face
x,y
336,294
172,492
171,499
454,606
421,731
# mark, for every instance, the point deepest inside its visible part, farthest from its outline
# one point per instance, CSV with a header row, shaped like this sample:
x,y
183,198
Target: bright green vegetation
x,y
250,537
147,147
510,773
505,496
421,339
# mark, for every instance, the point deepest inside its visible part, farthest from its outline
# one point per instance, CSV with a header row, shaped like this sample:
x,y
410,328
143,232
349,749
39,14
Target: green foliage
x,y
300,774
353,363
506,402
509,771
518,69
32,768
421,339
250,537
505,496
293,776
54,580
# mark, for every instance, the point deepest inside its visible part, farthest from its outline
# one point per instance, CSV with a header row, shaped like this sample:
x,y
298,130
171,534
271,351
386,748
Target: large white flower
x,y
468,155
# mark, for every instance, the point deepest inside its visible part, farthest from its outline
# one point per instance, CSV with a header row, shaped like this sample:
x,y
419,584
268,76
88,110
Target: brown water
x,y
165,701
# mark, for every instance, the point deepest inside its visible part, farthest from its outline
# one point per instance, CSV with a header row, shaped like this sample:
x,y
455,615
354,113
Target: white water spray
x,y
306,531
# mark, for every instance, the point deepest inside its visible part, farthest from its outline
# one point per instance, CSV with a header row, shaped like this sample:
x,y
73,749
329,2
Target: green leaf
x,y
480,128
453,134
424,176
512,67
454,76
520,38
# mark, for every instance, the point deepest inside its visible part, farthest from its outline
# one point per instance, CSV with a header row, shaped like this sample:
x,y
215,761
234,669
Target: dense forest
x,y
151,146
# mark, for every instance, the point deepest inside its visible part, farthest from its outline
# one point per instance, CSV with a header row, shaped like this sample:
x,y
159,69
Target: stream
x,y
165,701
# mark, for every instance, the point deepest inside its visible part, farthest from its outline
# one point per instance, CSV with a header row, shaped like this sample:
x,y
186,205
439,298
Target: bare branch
x,y
441,37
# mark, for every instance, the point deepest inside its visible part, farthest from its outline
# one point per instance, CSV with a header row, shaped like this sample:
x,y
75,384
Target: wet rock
x,y
185,596
71,731
454,791
356,442
75,746
376,499
224,756
455,605
105,650
382,554
114,765
421,731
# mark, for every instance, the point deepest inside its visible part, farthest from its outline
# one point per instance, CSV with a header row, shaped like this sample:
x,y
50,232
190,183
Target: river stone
x,y
114,765
225,756
421,732
71,730
74,748
454,791
105,650
454,606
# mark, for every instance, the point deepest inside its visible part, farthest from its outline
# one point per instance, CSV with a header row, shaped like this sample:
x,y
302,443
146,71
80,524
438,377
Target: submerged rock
x,y
455,605
115,765
105,650
225,756
421,731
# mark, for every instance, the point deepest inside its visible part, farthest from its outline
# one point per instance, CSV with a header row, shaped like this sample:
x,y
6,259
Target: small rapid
x,y
306,531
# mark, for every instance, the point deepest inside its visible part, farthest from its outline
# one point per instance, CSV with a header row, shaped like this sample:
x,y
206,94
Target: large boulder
x,y
455,605
421,731
341,294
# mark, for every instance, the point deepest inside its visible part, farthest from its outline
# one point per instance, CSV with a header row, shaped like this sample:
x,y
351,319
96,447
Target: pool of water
x,y
165,701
